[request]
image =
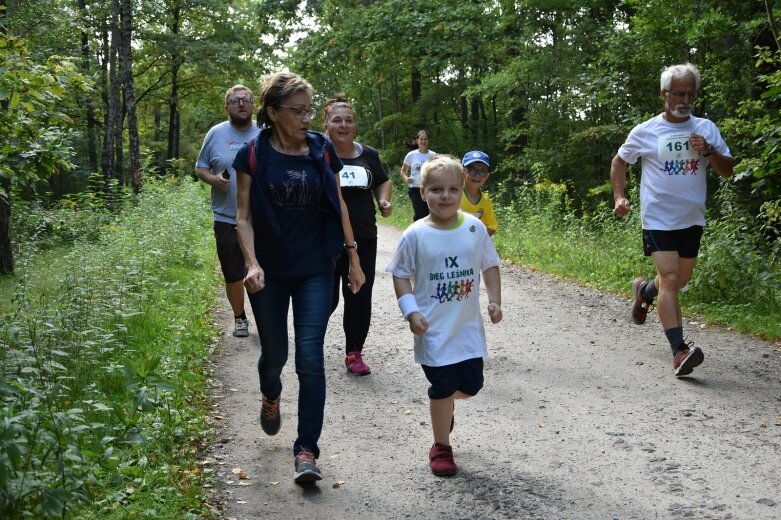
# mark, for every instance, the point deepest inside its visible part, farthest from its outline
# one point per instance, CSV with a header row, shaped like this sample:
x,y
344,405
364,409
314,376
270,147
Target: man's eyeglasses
x,y
682,95
239,101
475,172
300,113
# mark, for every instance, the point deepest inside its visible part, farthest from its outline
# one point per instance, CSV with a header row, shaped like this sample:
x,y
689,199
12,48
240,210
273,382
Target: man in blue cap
x,y
473,199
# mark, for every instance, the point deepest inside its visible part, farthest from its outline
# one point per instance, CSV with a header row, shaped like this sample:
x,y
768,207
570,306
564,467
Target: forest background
x,y
104,107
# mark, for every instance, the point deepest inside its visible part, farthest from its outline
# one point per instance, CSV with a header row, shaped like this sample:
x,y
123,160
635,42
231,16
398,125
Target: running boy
x,y
436,275
474,200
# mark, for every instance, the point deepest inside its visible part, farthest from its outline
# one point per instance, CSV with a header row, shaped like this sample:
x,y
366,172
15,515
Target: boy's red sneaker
x,y
441,461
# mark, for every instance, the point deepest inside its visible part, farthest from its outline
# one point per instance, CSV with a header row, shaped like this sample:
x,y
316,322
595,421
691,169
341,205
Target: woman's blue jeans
x,y
311,297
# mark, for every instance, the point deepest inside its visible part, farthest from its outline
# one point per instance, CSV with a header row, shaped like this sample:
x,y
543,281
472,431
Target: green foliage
x,y
34,140
39,226
102,395
760,122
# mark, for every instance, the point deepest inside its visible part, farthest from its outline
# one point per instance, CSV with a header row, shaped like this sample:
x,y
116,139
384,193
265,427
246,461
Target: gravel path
x,y
580,418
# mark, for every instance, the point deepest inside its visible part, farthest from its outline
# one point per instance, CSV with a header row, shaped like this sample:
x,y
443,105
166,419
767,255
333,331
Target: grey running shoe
x,y
306,469
270,418
241,330
686,359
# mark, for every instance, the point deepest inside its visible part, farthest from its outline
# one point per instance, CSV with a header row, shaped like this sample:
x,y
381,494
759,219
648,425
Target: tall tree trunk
x,y
6,252
92,147
474,118
173,101
112,96
379,115
772,23
130,96
415,86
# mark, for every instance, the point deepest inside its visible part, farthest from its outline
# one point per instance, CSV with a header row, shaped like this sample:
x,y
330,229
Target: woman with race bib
x,y
363,179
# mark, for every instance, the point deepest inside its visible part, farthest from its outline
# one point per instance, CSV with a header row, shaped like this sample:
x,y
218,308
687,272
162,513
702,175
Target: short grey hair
x,y
277,87
684,70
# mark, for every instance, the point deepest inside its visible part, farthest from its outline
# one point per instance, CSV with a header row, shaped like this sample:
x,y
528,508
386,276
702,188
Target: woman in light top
x,y
410,172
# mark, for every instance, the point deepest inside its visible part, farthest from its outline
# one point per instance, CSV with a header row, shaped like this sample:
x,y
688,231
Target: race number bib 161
x,y
354,177
676,147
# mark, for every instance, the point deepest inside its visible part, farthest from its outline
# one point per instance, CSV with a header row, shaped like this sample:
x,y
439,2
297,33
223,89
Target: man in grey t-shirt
x,y
213,167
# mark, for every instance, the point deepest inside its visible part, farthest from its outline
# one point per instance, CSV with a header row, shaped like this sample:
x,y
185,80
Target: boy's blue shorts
x,y
465,376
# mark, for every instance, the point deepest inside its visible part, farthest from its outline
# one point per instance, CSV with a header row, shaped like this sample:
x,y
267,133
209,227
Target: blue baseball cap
x,y
475,156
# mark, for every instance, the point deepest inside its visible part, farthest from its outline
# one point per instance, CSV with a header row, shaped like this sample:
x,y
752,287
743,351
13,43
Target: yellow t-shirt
x,y
483,210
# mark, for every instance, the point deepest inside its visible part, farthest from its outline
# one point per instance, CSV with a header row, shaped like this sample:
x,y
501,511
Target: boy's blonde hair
x,y
441,162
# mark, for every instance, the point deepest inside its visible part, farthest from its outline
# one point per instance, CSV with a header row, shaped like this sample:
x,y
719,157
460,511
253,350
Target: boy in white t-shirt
x,y
436,275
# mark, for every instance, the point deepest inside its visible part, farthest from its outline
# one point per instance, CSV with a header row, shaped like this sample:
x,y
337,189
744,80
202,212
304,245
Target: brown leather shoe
x,y
640,307
686,359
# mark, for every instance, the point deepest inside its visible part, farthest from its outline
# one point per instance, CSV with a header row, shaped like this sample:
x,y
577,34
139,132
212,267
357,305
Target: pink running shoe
x,y
355,364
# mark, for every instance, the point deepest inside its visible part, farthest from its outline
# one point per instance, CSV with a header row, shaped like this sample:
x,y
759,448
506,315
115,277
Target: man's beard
x,y
239,120
677,112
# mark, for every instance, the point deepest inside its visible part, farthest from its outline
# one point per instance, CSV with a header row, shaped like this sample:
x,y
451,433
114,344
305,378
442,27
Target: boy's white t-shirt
x,y
673,183
444,267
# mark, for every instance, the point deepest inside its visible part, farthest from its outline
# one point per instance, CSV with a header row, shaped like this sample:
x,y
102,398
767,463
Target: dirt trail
x,y
580,418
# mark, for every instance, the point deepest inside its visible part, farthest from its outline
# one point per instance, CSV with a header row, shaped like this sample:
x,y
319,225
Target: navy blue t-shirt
x,y
292,185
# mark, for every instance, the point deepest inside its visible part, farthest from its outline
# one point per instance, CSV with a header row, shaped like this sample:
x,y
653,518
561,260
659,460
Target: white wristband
x,y
408,305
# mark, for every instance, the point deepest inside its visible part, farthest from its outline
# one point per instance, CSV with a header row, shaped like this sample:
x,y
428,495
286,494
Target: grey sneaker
x,y
241,330
306,469
270,418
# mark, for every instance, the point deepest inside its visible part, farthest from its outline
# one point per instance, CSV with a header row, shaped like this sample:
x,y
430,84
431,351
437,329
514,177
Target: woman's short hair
x,y
275,88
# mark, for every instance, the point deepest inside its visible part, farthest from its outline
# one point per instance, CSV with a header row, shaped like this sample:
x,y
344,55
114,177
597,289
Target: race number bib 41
x,y
354,177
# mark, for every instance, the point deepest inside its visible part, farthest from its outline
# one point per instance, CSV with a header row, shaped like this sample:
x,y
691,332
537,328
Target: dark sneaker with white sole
x,y
686,359
306,469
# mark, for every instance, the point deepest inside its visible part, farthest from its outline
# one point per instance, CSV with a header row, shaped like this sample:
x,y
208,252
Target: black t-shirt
x,y
359,177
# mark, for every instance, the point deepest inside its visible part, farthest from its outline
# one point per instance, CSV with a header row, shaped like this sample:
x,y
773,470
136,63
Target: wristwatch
x,y
710,151
354,245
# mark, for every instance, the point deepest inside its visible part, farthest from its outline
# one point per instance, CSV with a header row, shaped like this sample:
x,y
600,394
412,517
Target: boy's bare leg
x,y
441,415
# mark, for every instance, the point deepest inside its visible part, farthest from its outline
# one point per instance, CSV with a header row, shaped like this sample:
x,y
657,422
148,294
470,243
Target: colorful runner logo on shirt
x,y
456,283
687,167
